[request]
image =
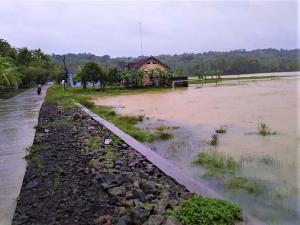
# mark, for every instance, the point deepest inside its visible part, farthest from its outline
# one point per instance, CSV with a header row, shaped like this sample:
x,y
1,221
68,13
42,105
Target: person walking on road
x,y
39,89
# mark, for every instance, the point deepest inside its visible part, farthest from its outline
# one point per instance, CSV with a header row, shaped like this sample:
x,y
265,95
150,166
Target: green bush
x,y
199,210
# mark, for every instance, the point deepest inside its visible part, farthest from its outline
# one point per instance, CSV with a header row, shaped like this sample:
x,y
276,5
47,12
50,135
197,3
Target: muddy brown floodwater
x,y
272,160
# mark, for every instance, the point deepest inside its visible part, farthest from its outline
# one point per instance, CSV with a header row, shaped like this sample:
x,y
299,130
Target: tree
x,y
6,50
113,75
92,72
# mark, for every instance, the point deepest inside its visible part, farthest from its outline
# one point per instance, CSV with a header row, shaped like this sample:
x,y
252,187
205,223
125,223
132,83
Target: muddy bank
x,y
78,172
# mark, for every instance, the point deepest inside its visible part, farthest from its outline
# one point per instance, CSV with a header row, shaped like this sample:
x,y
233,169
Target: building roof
x,y
137,64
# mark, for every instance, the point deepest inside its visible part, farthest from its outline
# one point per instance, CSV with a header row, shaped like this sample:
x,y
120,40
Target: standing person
x,y
39,89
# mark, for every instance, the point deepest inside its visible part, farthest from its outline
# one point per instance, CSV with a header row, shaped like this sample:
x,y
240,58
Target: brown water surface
x,y
239,107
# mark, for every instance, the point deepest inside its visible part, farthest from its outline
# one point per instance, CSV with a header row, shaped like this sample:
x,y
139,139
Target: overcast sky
x,y
168,27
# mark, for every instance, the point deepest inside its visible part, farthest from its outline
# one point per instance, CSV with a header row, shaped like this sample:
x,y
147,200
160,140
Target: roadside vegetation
x,y
31,154
21,68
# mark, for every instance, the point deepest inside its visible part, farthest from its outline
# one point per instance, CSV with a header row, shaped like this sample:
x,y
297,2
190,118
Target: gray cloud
x,y
168,27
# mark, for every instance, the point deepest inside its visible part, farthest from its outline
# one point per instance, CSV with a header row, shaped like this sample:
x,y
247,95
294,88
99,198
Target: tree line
x,y
24,68
190,64
93,72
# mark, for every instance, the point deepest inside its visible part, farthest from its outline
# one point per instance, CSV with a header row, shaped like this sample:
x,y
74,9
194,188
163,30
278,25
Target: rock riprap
x,y
84,174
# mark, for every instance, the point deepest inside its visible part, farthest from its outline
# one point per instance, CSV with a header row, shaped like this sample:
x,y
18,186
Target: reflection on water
x,y
239,108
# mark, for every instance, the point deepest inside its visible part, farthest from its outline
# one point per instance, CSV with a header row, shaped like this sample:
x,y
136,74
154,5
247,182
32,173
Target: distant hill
x,y
231,62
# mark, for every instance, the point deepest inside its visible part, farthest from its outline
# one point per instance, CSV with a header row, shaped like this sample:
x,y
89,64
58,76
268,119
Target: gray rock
x,y
94,163
136,184
172,221
31,185
139,194
155,220
161,205
115,191
124,220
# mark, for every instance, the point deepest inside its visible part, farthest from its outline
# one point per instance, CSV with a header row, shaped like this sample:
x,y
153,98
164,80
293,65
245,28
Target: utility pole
x,y
141,39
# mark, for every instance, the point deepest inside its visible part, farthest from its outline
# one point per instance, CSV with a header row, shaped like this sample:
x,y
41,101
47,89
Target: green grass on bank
x,y
199,210
214,80
115,90
67,98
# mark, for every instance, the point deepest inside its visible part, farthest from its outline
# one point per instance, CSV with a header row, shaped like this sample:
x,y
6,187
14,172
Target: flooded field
x,y
248,164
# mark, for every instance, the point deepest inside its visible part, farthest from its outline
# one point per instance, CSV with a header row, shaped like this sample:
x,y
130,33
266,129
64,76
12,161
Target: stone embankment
x,y
78,172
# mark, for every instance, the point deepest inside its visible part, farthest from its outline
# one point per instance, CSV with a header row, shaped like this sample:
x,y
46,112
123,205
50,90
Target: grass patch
x,y
57,178
113,91
164,135
91,144
56,123
199,210
214,140
30,155
116,140
67,99
264,130
251,185
216,162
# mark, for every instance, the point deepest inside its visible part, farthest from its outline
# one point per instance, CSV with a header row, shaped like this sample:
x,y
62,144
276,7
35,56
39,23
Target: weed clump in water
x,y
214,140
221,130
264,130
207,211
251,185
216,162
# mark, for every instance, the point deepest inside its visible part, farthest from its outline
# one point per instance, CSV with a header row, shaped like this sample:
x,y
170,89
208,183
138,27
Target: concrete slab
x,y
18,116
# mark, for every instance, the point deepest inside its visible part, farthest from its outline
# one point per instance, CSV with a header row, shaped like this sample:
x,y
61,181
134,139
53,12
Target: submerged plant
x,y
214,140
199,210
221,130
251,185
264,130
216,162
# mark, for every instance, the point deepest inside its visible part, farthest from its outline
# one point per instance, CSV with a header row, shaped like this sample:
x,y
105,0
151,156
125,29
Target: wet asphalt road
x,y
18,116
